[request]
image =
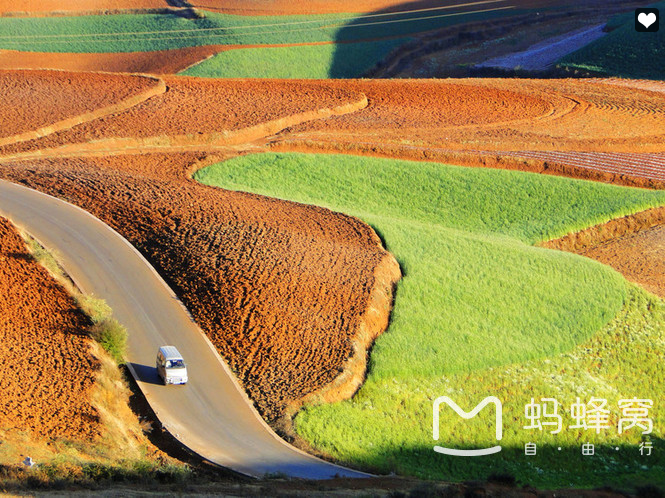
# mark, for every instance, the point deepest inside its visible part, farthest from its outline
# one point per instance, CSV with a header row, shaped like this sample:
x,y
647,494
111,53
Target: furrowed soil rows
x,y
568,115
46,368
281,289
640,165
46,6
640,257
197,110
36,103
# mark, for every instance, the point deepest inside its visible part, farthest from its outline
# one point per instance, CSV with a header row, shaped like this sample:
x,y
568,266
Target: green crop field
x,y
623,52
148,32
480,311
306,61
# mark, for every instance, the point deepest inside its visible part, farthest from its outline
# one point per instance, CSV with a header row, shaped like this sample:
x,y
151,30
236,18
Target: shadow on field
x,y
370,38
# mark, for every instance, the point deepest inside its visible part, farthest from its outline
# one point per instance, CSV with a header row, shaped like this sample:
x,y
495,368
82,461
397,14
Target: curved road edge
x,y
212,415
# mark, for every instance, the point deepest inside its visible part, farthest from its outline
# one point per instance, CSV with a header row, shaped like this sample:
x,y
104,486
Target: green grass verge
x,y
147,32
106,330
387,425
476,294
309,61
623,52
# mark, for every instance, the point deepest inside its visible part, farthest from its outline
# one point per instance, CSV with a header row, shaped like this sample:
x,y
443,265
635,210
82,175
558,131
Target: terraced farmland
x,y
462,311
464,238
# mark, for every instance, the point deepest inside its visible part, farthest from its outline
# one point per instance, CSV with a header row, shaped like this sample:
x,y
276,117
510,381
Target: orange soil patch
x,y
633,245
640,257
46,368
162,62
194,108
45,6
582,116
282,289
285,291
34,103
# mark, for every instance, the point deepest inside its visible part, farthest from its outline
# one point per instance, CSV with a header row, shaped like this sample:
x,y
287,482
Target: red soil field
x,y
193,108
281,289
35,99
285,291
46,6
570,115
633,245
46,368
162,62
640,257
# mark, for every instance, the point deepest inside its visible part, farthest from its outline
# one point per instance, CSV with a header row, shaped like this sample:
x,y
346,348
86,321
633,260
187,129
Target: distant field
x,y
46,6
306,61
476,294
149,32
624,52
463,238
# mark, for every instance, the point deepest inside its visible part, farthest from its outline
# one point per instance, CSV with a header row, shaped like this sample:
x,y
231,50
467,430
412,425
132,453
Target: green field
x,y
479,311
623,52
148,32
307,61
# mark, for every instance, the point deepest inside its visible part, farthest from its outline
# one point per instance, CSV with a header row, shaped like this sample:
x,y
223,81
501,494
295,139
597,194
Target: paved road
x,y
211,414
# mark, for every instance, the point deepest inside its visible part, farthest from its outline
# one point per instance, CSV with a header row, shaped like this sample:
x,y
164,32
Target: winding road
x,y
211,415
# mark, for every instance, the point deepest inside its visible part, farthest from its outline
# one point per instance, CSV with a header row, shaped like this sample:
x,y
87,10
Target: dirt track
x,y
283,290
46,368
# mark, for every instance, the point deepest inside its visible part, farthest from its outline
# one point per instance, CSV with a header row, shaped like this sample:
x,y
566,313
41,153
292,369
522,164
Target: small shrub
x,y
112,337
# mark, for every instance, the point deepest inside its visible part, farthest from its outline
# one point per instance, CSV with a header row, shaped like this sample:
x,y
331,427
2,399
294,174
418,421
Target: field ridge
x,y
200,141
67,123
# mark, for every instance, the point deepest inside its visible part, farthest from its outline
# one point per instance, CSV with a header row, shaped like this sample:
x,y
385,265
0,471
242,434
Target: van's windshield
x,y
175,364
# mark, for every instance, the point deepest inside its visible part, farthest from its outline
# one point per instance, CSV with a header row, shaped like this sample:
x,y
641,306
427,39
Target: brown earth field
x,y
456,115
39,102
46,6
47,370
160,62
288,292
639,256
280,288
552,115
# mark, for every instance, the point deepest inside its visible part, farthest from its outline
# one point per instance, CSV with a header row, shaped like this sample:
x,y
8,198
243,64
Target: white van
x,y
170,366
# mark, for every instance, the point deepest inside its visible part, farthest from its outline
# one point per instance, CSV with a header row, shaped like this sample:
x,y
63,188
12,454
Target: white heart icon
x,y
646,20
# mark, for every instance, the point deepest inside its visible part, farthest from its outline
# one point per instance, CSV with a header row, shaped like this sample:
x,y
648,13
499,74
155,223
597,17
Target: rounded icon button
x,y
647,20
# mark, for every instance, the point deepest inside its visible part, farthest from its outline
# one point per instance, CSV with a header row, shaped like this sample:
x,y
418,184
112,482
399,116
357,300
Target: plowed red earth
x,y
195,107
46,6
46,369
280,288
33,99
163,62
570,115
639,256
